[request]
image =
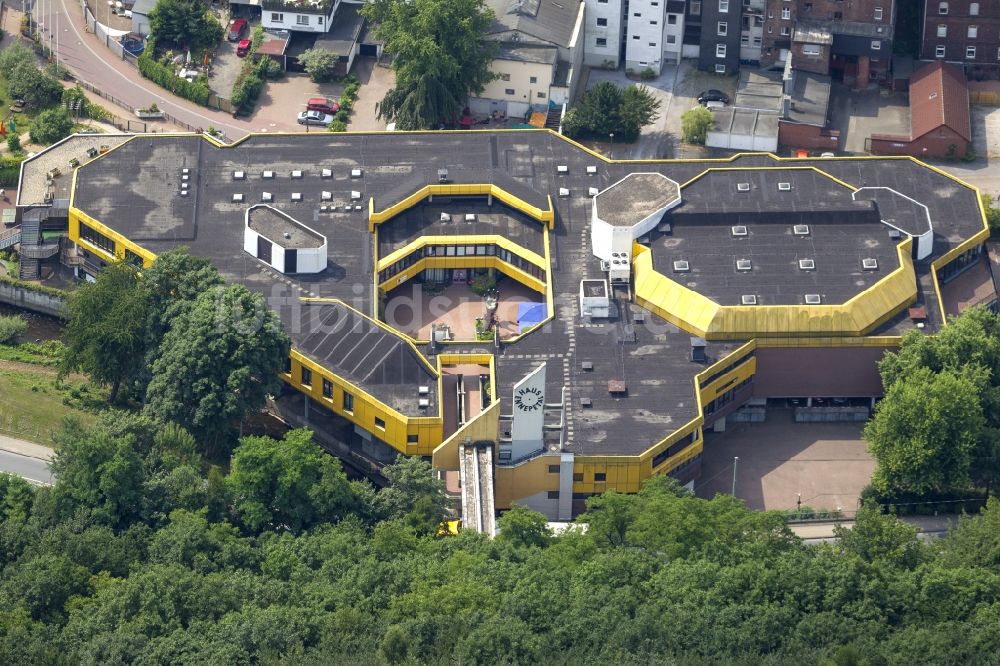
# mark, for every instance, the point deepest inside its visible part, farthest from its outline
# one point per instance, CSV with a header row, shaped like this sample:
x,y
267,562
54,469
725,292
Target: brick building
x,y
962,32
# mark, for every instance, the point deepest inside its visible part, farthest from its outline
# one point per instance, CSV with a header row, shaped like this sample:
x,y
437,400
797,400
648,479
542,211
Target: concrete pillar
x,y
305,409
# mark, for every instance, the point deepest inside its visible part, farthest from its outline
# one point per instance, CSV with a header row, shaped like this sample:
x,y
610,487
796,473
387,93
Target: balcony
x,y
322,7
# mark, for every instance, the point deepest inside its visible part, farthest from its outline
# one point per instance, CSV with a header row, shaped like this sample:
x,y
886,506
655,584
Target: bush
x,y
11,328
14,55
483,284
319,64
14,144
992,214
10,169
695,125
269,68
647,74
337,126
51,125
164,76
34,86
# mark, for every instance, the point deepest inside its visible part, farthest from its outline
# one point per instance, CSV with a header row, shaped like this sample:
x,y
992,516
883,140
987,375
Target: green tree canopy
x,y
105,335
441,55
320,64
609,109
695,124
186,23
218,362
51,125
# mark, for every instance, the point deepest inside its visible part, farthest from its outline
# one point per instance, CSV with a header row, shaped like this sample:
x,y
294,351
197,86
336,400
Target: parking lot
x,y
859,114
226,68
826,464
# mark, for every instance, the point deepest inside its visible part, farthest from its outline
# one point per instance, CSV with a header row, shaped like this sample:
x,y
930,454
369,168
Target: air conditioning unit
x,y
442,175
296,173
743,265
869,264
807,264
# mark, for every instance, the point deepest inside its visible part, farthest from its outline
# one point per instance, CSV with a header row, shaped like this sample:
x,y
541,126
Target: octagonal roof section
x,y
635,197
898,210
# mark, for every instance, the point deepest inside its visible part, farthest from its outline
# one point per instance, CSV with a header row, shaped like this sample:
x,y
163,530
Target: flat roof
x,y
281,229
345,30
635,197
35,170
810,98
135,190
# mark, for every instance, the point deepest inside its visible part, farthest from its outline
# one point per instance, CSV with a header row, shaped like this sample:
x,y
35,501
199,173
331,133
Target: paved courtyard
x,y
281,101
859,114
827,463
375,82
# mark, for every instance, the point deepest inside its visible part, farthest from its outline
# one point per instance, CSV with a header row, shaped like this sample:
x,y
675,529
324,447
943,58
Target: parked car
x,y
323,105
243,48
236,29
713,96
315,118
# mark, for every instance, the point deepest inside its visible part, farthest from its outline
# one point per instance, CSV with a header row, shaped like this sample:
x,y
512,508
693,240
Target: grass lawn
x,y
22,119
32,406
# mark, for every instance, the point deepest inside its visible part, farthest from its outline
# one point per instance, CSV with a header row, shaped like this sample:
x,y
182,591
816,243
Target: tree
x,y
14,55
524,528
413,489
11,328
218,362
287,485
924,432
185,23
875,537
320,64
51,125
608,109
638,109
105,336
695,124
442,54
992,213
35,87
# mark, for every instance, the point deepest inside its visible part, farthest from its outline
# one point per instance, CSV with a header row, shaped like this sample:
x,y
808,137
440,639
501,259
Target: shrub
x,y
51,125
163,76
14,144
483,283
695,125
319,64
337,126
647,74
11,328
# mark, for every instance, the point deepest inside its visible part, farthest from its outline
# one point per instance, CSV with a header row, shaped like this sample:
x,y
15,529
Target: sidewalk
x,y
25,448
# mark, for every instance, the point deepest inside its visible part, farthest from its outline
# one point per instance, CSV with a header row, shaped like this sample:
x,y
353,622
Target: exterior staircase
x,y
10,238
30,244
553,118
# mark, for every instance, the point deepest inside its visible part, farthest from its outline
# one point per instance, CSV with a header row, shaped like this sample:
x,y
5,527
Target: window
x,y
635,36
973,31
810,49
756,40
876,45
602,22
504,76
671,19
942,31
652,23
652,44
508,91
412,439
970,52
602,2
998,54
695,8
878,13
600,476
973,9
379,423
301,20
327,389
720,50
553,494
939,51
723,6
637,14
553,469
319,20
97,239
307,376
770,30
671,39
541,95
133,258
532,79
602,41
277,18
786,13
578,477
785,30
942,8
722,29
348,402
720,69
288,365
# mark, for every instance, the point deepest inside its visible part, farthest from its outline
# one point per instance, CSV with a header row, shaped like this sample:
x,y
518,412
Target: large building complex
x,y
639,304
963,32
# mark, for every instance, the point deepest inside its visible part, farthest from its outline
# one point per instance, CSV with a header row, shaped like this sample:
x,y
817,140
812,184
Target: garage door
x,y
369,50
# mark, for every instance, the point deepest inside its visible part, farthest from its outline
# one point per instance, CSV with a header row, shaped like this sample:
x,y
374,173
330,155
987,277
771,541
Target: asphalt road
x,y
83,53
35,470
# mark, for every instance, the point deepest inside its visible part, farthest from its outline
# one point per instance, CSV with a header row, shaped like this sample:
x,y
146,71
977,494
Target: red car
x,y
236,29
323,105
243,48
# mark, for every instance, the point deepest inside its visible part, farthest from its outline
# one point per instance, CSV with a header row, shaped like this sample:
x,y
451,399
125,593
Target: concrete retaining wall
x,y
22,297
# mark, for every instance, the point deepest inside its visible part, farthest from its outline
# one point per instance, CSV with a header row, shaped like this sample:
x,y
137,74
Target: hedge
x,y
37,288
164,77
10,169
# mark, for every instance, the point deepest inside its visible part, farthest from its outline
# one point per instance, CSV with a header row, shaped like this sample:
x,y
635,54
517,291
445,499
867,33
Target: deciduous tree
x,y
186,23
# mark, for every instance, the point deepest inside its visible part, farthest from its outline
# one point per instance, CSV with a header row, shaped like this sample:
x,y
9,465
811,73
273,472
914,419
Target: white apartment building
x,y
604,26
654,34
752,30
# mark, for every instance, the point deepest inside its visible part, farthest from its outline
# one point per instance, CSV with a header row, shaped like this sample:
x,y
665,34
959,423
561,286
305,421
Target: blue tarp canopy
x,y
530,314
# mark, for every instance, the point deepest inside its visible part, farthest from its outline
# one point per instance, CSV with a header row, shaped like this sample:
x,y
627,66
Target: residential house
x,y
963,32
604,30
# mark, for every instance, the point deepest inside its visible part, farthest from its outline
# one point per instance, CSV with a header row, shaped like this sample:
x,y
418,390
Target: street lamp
x,y
111,3
736,462
612,149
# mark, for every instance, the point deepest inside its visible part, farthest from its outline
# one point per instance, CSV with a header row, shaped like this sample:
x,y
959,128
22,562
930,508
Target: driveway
x,y
859,114
226,67
282,100
659,139
375,82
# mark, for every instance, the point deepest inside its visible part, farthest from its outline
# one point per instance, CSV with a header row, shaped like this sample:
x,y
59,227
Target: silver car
x,y
315,118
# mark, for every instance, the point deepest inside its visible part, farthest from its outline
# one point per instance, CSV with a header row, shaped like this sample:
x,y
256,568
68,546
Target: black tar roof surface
x,y
135,190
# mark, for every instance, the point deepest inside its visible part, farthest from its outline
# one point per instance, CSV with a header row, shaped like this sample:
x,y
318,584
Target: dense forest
x,y
144,553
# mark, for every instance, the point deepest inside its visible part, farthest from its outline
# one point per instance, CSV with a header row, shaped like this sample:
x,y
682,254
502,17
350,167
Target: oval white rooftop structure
x,y
629,209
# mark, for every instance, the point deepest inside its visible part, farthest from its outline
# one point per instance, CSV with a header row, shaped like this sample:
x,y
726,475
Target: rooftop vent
x,y
423,403
424,390
742,187
564,191
591,170
681,266
185,171
894,234
238,197
743,265
297,173
587,365
327,173
355,195
184,193
740,230
562,169
445,217
239,175
807,264
748,299
356,173
586,402
470,217
326,196
287,236
296,196
55,172
801,229
698,350
869,264
592,191
357,207
813,299
266,196
784,187
268,174
442,175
